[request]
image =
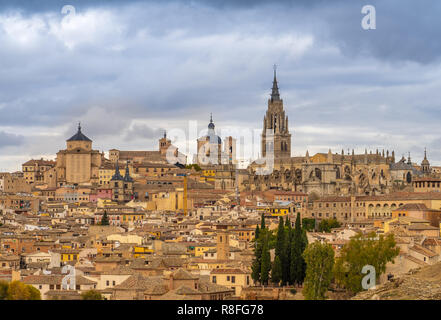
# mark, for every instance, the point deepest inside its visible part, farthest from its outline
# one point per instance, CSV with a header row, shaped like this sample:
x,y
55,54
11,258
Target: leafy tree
x,y
19,291
319,270
4,285
194,166
327,224
91,295
276,271
105,219
360,251
308,224
266,262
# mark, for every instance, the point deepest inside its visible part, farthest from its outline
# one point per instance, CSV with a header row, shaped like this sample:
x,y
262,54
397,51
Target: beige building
x,y
34,170
78,163
235,279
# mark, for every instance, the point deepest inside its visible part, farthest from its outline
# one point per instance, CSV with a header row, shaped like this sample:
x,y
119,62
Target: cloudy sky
x,y
130,69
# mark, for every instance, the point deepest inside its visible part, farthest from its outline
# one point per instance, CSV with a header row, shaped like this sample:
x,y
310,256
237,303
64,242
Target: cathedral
x,y
323,173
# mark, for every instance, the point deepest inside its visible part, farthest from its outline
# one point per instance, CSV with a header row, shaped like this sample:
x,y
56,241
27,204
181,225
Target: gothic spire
x,y
127,176
275,96
117,175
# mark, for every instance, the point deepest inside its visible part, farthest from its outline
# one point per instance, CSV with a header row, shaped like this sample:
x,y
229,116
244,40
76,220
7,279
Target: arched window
x,y
409,177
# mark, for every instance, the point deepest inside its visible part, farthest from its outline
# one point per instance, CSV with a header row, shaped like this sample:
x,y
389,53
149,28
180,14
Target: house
x,y
46,283
235,279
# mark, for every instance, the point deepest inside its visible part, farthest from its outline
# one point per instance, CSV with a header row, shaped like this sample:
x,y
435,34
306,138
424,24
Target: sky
x,y
128,70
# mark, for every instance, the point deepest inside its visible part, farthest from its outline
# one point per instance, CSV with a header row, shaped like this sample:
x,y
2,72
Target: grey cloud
x,y
10,140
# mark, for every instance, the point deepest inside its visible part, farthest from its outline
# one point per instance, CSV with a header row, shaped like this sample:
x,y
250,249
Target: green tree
x,y
297,263
266,262
360,251
308,224
262,222
327,224
17,290
287,252
4,285
194,166
105,219
257,266
92,295
280,240
276,271
319,270
256,233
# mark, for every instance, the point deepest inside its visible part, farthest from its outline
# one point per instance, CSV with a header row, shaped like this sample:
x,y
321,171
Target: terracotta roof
x,y
55,279
228,271
423,251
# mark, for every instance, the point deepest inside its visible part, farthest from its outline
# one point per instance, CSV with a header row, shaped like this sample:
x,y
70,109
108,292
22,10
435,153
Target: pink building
x,y
101,193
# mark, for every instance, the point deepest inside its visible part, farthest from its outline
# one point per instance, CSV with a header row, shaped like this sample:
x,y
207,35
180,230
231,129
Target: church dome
x,y
79,136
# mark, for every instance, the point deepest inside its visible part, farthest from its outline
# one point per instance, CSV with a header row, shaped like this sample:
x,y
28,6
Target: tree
x,y
280,258
4,285
256,233
256,266
360,251
262,223
19,291
91,295
319,270
297,263
327,224
194,166
280,239
287,253
276,271
266,262
308,224
105,219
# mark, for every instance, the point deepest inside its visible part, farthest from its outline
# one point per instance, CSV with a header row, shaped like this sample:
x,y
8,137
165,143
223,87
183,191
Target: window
x,y
228,278
214,279
107,283
233,279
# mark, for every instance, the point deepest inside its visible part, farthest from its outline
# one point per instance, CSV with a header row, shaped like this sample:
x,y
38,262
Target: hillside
x,y
419,284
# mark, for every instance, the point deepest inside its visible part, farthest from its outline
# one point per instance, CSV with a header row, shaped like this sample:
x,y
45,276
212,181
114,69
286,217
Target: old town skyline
x,y
338,96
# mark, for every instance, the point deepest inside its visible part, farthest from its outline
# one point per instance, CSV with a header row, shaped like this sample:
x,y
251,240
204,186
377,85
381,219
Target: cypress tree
x,y
287,253
257,266
262,223
297,265
266,262
280,240
105,219
256,233
276,271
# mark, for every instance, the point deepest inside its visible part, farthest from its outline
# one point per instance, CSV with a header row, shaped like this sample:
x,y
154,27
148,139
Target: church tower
x,y
425,164
275,124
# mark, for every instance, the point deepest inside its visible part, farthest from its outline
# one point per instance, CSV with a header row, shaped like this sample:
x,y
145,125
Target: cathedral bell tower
x,y
275,124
